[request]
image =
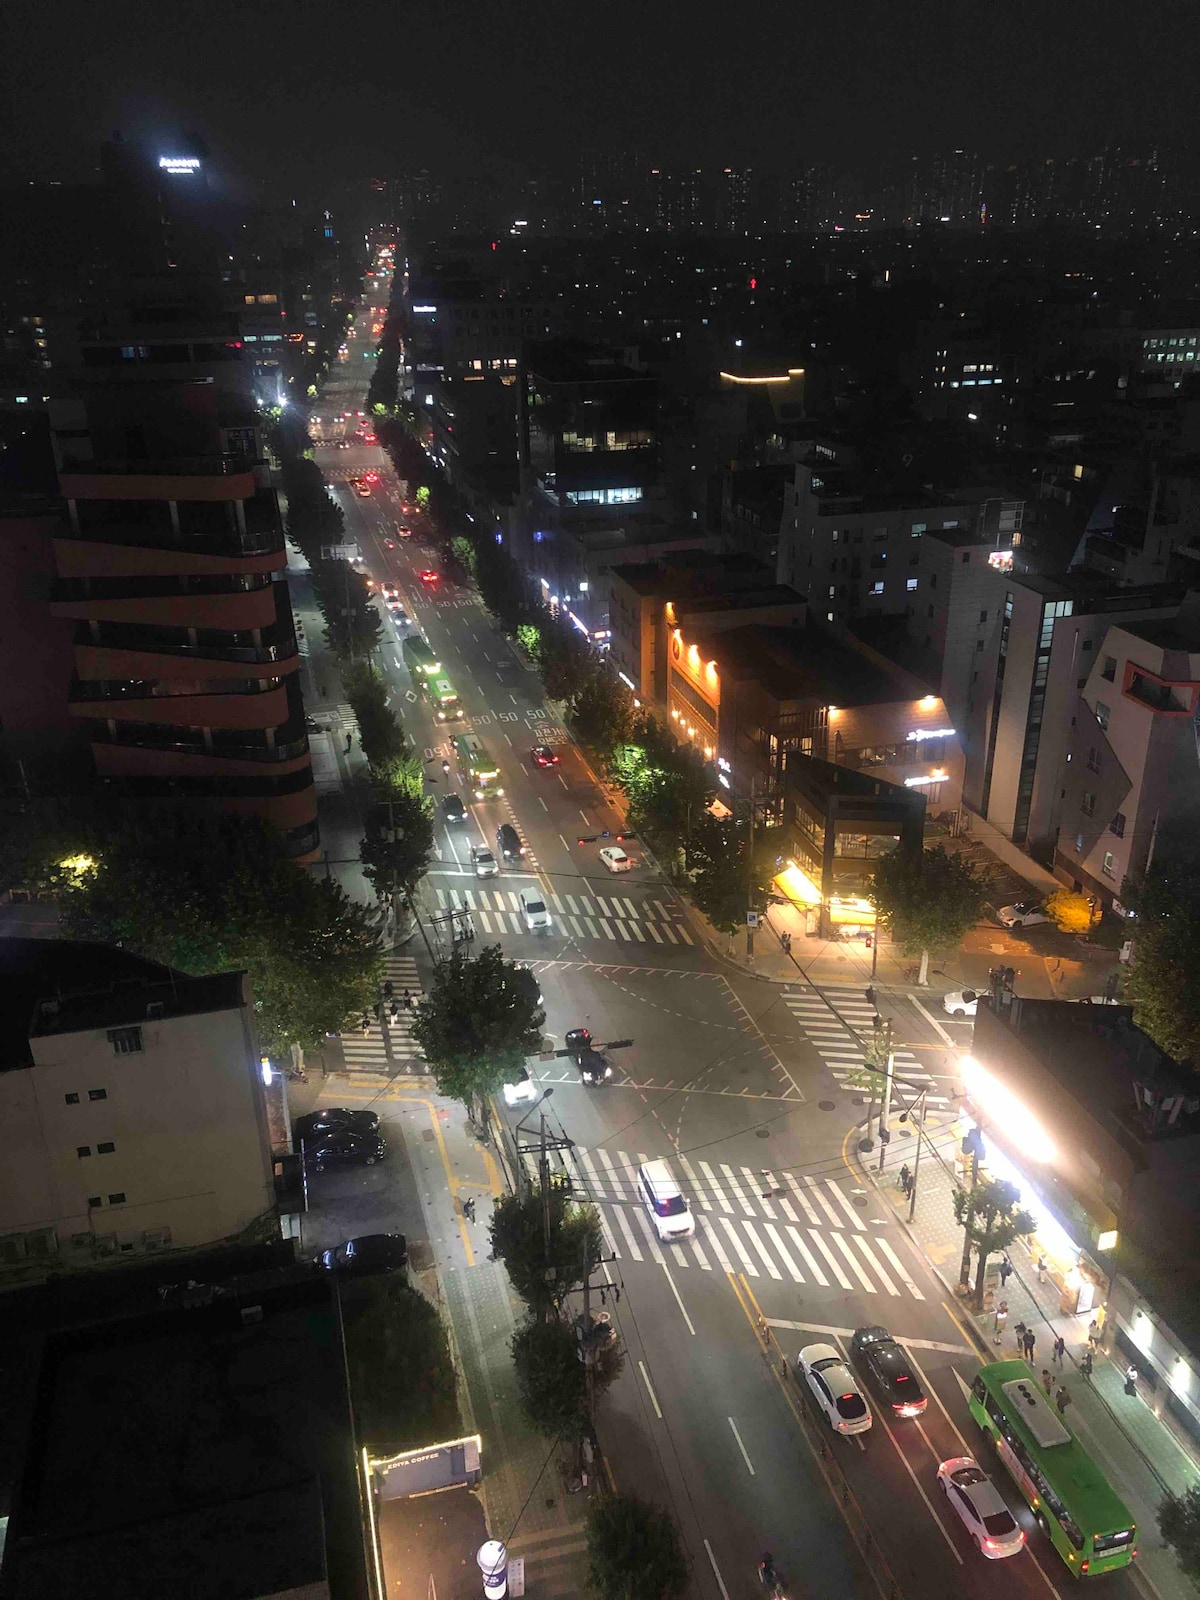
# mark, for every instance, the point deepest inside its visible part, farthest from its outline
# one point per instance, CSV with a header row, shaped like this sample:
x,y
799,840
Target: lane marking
x,y
680,1304
933,1022
650,1390
716,1571
742,1447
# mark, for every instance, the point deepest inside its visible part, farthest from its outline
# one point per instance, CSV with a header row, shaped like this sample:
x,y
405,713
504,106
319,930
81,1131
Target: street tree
x,y
1179,1524
476,1025
729,872
1162,980
666,784
928,899
352,625
544,1241
217,895
401,1373
634,1551
551,1378
1070,911
505,590
397,846
601,714
379,728
564,658
991,1218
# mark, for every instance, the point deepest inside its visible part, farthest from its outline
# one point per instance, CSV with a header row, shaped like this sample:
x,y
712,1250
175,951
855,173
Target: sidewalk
x,y
523,1493
1142,1455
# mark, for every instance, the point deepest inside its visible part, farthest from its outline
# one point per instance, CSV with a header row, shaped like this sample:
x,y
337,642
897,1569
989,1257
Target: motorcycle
x,y
768,1576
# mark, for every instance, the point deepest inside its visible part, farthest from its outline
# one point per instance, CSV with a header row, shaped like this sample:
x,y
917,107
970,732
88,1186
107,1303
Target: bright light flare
x,y
1002,1108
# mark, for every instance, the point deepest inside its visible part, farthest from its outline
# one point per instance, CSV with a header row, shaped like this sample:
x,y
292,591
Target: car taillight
x,y
1133,1552
1084,1565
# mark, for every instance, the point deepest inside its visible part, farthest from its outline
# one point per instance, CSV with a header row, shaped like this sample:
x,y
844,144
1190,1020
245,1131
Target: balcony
x,y
213,466
277,646
223,745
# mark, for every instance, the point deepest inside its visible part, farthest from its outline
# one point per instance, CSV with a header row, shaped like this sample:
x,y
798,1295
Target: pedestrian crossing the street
x,y
788,1226
827,1018
586,916
388,1045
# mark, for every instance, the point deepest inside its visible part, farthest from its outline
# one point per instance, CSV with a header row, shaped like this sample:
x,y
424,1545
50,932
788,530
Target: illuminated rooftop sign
x,y
179,163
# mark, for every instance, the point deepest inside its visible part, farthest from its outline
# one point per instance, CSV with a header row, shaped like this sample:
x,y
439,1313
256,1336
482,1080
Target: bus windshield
x,y
1087,1522
476,767
419,658
444,699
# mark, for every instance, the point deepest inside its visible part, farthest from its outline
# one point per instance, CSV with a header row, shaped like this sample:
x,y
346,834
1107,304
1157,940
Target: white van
x,y
663,1199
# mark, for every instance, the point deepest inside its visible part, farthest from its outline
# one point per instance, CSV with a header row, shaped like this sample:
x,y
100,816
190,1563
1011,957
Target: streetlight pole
x,y
912,1193
885,1111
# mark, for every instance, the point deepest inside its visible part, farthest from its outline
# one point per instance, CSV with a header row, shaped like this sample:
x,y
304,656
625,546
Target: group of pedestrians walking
x,y
388,1001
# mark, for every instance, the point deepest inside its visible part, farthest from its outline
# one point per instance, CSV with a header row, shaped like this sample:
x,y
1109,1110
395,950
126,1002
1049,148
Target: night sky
x,y
303,95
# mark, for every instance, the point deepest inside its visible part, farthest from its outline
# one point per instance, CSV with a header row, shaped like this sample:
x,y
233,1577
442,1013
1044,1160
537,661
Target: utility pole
x,y
912,1193
750,873
544,1181
885,1133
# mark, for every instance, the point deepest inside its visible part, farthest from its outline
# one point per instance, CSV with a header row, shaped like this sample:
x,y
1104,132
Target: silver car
x,y
484,862
835,1388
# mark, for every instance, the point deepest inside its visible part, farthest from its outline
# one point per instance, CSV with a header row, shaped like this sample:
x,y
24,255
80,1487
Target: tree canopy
x,y
1070,911
991,1217
634,1551
401,1374
1179,1524
551,1378
928,900
1162,981
352,624
476,1024
541,1275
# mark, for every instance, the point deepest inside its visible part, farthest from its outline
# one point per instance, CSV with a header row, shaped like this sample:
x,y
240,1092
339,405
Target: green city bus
x,y
1084,1518
443,698
477,767
419,658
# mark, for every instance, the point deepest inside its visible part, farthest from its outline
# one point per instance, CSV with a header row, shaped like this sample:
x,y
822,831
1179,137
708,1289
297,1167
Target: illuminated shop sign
x,y
179,163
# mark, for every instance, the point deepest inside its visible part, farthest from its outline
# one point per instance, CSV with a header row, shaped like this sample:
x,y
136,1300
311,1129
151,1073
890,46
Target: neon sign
x,y
181,164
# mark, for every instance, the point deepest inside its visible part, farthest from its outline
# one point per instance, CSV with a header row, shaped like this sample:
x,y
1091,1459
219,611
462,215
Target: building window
x,y
911,584
918,528
125,1041
1088,804
979,647
105,1149
877,588
1117,825
71,1099
983,616
966,556
94,1201
1093,759
117,1199
1107,866
1078,844
1109,669
97,1094
1103,713
82,1150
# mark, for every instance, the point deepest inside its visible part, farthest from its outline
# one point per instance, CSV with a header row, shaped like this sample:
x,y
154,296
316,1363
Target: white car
x,y
483,861
1022,914
961,1002
533,909
978,1502
615,859
520,1092
835,1388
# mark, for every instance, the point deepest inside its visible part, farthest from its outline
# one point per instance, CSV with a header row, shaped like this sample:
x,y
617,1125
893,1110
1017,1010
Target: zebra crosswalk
x,y
388,1045
587,916
827,1018
786,1226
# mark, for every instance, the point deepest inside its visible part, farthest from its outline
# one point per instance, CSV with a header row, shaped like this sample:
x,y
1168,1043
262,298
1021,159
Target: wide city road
x,y
739,1085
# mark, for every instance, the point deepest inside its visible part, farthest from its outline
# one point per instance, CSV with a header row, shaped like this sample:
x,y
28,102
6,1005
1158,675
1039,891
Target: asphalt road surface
x,y
740,1085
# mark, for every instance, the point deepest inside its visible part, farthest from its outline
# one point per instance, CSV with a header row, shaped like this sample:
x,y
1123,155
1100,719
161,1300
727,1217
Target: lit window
x,y
911,585
1108,865
877,587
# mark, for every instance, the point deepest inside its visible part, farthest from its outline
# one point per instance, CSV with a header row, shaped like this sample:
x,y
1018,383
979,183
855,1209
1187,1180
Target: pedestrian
x,y
469,1210
1041,1269
1085,1365
1047,1380
378,1009
1029,1343
906,1180
1060,1349
389,989
393,1008
1131,1378
407,1001
1006,1268
1062,1399
349,742
1001,1320
617,1295
365,1025
1093,1334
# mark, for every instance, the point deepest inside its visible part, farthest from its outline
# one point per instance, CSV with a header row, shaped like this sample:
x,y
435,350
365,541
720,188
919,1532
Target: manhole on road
x,y
762,1133
829,1105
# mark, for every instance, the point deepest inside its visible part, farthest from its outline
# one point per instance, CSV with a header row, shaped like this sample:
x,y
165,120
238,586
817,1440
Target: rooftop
x,y
807,664
693,572
57,986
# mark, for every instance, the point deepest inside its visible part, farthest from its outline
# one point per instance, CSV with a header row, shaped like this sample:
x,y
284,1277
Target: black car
x,y
374,1252
508,841
888,1368
525,983
345,1149
543,756
453,809
577,1041
594,1067
332,1119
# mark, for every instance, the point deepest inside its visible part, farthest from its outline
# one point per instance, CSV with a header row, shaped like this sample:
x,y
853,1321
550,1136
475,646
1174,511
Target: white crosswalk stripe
x,y
388,1045
739,1214
827,1020
618,918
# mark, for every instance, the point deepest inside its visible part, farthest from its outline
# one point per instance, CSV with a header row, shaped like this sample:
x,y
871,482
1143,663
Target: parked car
x,y
453,809
533,909
834,1388
1022,914
980,1506
373,1252
961,1002
543,756
331,1119
341,1148
484,862
615,859
889,1370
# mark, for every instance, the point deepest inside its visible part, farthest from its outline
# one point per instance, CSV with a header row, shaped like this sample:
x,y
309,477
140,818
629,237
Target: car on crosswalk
x,y
615,859
533,909
961,1002
835,1388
